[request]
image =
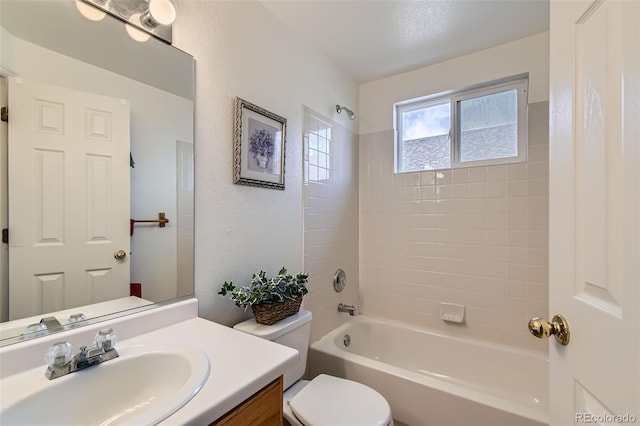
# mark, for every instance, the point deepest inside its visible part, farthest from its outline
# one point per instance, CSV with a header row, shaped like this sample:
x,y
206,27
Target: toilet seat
x,y
328,400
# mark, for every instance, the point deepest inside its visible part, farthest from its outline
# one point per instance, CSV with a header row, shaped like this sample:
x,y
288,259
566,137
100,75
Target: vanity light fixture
x,y
143,18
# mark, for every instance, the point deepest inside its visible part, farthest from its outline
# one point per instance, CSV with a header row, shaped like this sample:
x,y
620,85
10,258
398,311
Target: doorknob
x,y
558,327
120,254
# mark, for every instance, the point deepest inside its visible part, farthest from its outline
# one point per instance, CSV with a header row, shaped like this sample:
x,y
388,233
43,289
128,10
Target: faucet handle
x,y
58,354
77,320
34,330
106,339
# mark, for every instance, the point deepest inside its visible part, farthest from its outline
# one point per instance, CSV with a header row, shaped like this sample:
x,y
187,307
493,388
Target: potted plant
x,y
270,299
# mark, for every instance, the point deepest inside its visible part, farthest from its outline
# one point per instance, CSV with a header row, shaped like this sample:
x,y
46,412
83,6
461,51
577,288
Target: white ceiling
x,y
371,39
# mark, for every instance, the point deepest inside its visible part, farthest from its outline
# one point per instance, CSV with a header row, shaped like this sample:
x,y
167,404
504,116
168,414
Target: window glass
x,y
479,126
489,126
425,137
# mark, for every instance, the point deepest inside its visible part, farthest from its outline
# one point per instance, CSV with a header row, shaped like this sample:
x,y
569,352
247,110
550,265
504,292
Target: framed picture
x,y
259,139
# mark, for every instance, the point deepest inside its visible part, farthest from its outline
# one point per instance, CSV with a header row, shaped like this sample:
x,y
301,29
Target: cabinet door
x,y
264,408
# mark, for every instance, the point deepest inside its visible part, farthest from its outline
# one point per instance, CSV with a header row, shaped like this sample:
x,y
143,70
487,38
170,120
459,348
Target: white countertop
x,y
240,364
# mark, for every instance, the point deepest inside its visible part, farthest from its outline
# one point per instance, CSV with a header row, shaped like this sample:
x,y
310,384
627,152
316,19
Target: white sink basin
x,y
144,386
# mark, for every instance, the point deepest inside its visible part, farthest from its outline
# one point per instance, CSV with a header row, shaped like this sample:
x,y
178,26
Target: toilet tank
x,y
293,331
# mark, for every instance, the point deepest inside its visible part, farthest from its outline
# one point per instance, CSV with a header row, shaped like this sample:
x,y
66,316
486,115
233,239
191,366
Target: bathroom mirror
x,y
65,46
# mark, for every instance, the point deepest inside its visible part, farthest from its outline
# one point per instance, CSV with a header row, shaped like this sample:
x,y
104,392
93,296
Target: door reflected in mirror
x,y
100,135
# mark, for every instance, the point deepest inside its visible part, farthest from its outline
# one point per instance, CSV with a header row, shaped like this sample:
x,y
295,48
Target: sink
x,y
144,386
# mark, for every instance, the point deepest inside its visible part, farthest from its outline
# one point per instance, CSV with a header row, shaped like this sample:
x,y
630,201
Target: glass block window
x,y
318,137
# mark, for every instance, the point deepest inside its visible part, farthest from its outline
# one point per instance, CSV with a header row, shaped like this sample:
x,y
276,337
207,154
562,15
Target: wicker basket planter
x,y
270,313
270,298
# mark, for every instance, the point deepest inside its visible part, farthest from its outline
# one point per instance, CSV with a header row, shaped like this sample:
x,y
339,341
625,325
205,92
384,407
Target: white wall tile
x,y
539,152
443,177
459,190
413,179
496,173
460,176
496,189
477,190
331,212
516,188
477,236
477,174
516,171
427,178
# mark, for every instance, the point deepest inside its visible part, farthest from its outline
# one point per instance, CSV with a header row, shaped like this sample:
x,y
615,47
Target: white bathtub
x,y
434,379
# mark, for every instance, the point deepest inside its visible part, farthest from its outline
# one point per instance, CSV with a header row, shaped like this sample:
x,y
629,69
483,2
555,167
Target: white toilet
x,y
325,400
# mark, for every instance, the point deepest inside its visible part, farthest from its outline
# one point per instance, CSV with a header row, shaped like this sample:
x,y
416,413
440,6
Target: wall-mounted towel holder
x,y
162,220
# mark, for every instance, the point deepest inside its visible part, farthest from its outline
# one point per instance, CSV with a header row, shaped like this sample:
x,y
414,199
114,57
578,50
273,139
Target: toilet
x,y
325,400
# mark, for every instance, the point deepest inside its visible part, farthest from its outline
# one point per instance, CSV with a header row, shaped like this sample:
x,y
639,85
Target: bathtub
x,y
432,378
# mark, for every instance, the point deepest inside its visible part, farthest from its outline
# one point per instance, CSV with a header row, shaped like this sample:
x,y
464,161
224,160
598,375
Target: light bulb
x,y
90,12
136,33
160,12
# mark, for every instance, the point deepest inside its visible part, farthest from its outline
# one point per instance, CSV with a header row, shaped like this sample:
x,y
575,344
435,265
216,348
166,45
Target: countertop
x,y
240,364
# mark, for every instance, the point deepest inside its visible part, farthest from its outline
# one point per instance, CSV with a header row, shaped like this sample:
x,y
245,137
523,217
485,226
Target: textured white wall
x,y
242,50
530,54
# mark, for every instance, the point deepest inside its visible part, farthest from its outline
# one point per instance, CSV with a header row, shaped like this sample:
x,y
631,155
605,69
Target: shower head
x,y
350,114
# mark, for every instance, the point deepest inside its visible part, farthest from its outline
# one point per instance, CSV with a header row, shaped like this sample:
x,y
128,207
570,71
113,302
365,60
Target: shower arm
x,y
350,113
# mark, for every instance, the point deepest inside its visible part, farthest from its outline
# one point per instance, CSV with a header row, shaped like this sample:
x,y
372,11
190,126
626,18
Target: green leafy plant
x,y
267,290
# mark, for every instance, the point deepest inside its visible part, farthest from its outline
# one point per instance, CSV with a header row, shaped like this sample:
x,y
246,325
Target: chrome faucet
x,y
51,323
62,363
349,309
45,326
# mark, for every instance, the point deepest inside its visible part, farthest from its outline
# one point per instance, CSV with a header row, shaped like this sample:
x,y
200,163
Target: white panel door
x,y
594,264
68,198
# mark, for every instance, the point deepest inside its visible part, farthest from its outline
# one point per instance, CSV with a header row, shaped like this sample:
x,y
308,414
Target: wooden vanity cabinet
x,y
264,408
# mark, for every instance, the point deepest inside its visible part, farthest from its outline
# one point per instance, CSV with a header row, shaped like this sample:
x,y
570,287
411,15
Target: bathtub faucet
x,y
349,309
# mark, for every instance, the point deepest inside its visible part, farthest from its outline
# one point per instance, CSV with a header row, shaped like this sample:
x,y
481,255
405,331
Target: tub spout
x,y
349,309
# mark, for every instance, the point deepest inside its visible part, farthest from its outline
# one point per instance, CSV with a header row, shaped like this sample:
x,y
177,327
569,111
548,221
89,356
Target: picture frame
x,y
259,146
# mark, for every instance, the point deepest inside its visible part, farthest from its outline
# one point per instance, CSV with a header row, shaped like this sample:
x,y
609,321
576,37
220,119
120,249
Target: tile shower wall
x,y
474,236
330,218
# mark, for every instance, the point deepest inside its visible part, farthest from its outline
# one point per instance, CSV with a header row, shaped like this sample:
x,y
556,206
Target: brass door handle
x,y
558,327
120,254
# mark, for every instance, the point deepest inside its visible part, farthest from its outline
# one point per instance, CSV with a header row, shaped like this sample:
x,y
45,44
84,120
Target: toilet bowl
x,y
325,400
329,400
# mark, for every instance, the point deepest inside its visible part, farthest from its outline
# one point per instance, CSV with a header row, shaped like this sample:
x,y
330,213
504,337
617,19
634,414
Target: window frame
x,y
520,83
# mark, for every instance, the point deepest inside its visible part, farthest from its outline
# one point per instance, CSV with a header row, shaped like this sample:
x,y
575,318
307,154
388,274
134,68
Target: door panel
x,y
594,253
68,198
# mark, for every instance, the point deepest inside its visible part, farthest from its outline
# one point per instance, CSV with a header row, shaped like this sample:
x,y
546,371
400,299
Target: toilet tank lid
x,y
271,332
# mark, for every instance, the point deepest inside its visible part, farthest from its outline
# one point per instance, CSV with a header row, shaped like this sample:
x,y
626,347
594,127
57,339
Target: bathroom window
x,y
483,125
318,139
